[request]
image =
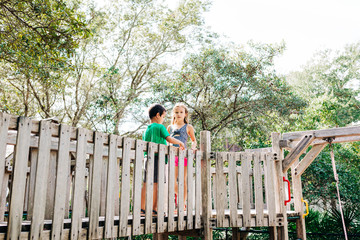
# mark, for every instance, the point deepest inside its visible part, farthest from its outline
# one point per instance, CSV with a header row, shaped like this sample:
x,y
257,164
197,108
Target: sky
x,y
305,26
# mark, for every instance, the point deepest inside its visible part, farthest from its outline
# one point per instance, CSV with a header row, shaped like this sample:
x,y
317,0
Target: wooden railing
x,y
61,182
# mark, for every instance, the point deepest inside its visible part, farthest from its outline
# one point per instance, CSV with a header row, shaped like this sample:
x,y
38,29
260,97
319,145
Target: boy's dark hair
x,y
156,108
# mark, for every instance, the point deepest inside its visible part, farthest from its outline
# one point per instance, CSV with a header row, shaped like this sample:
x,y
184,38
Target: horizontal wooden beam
x,y
296,152
309,158
325,133
288,144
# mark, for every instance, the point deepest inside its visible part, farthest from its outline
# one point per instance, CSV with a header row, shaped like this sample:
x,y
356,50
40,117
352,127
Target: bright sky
x,y
306,26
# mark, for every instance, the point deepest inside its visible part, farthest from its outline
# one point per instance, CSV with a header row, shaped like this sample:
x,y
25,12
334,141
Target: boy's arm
x,y
175,141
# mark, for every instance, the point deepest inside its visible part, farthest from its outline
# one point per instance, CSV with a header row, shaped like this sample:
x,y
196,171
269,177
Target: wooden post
x,y
298,205
279,186
205,147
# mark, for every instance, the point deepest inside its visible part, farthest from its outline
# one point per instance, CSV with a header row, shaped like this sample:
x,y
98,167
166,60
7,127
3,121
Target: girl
x,y
181,130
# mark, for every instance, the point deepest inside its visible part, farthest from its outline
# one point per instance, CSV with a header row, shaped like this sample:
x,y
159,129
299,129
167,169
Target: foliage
x,y
231,91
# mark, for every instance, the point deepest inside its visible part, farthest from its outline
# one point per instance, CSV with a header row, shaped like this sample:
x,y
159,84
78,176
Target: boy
x,y
157,133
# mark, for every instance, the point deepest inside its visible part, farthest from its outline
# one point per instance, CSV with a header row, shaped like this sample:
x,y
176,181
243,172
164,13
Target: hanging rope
x,y
337,184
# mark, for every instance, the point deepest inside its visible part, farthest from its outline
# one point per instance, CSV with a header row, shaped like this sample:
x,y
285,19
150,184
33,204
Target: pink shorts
x,y
177,161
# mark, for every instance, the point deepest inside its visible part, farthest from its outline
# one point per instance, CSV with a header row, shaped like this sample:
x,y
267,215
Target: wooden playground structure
x,y
61,182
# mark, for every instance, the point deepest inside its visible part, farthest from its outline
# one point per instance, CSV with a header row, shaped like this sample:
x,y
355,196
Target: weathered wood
x,y
288,144
4,189
79,184
308,159
125,187
325,133
190,190
4,126
258,187
149,197
171,185
294,154
198,191
220,186
42,171
110,188
139,158
50,192
17,191
68,189
180,197
232,189
105,163
270,188
33,163
95,182
205,146
279,174
298,205
161,190
245,168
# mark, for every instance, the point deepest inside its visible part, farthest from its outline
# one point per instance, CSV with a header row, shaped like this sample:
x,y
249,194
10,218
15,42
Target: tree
x,y
231,90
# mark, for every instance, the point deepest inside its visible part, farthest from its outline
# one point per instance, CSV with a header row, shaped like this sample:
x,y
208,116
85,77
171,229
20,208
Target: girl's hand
x,y
181,145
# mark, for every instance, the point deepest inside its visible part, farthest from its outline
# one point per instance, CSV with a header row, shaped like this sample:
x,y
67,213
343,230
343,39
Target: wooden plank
x,y
308,159
171,197
220,187
4,189
205,146
105,164
294,154
232,189
161,190
258,187
79,184
95,182
51,181
149,187
190,190
42,170
33,163
62,173
139,158
198,191
245,168
125,187
110,188
68,189
270,188
332,132
4,126
180,197
17,192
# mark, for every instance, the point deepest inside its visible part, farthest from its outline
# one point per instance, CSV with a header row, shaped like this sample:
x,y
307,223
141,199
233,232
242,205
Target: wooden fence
x,y
61,182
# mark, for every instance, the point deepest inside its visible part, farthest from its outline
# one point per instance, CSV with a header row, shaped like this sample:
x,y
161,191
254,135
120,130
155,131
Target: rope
x,y
337,186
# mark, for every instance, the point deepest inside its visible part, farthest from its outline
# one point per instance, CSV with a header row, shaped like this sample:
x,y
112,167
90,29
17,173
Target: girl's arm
x,y
191,133
175,141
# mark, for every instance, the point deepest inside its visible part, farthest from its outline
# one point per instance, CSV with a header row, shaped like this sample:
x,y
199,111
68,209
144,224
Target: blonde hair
x,y
186,119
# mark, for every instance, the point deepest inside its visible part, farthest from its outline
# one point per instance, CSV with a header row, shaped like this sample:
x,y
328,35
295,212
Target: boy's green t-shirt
x,y
156,133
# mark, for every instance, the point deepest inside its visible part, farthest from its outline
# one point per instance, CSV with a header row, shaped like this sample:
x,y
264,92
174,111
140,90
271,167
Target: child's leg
x,y
155,196
143,195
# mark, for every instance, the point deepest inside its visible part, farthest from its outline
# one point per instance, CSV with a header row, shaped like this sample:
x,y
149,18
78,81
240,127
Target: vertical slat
x,y
105,163
232,189
198,203
149,187
95,182
171,197
245,171
110,189
79,184
4,189
50,193
270,188
220,189
4,126
62,172
139,158
125,187
18,178
259,199
68,189
33,163
190,190
161,190
42,170
180,197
